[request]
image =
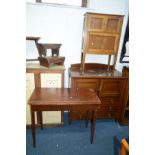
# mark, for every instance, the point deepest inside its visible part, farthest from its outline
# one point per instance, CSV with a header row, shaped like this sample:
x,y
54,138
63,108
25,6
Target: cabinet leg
x,y
109,60
83,63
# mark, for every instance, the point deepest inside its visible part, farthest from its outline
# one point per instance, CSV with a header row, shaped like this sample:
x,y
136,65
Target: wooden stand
x,y
101,36
48,61
44,59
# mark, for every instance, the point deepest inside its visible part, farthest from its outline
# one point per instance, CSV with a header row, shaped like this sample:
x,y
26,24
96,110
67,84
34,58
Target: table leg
x,y
87,114
33,126
93,121
40,119
69,118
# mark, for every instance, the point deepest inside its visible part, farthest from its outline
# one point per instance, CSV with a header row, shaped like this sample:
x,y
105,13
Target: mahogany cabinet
x,y
109,85
101,35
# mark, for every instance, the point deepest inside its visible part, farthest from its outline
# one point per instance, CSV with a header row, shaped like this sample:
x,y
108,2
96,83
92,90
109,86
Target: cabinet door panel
x,y
99,43
113,24
96,23
86,83
110,87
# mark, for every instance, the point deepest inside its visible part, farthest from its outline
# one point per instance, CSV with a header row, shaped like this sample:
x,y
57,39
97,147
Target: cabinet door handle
x,y
92,43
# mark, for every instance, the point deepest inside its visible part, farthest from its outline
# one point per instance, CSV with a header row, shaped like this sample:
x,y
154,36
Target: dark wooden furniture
x,y
109,85
53,57
125,98
101,36
54,48
52,99
43,48
48,61
37,71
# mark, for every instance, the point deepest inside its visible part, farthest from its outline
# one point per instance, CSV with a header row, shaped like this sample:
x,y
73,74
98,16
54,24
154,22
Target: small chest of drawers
x,y
108,85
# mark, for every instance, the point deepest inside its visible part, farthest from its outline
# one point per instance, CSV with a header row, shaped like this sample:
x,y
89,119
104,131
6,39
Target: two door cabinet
x,y
101,35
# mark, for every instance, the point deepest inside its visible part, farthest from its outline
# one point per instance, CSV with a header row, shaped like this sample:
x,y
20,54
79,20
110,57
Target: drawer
x,y
113,101
108,115
110,87
107,108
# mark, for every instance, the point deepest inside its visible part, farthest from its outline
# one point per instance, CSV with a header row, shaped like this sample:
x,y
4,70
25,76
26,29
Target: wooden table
x,y
63,99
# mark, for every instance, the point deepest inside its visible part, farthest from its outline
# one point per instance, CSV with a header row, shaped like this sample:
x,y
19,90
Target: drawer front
x,y
113,101
108,115
85,83
110,87
109,108
110,104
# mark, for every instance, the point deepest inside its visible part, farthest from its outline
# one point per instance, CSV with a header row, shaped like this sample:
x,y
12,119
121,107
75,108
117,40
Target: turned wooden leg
x,y
93,121
33,127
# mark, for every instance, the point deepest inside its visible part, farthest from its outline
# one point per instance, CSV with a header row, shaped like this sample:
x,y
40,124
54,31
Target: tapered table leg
x,y
41,119
69,118
93,121
87,114
33,127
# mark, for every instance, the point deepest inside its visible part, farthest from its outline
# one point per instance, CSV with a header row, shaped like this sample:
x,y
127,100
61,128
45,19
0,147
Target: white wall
x,y
55,24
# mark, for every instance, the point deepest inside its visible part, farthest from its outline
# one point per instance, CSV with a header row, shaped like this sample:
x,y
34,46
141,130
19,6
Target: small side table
x,y
63,99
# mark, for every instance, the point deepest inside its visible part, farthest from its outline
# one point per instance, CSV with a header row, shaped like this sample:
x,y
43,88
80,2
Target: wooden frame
x,y
83,3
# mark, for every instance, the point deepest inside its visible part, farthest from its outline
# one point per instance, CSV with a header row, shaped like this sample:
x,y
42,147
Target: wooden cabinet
x,y
39,76
125,99
101,36
108,85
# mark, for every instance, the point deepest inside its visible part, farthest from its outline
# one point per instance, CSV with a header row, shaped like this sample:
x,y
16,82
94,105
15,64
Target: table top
x,y
63,96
